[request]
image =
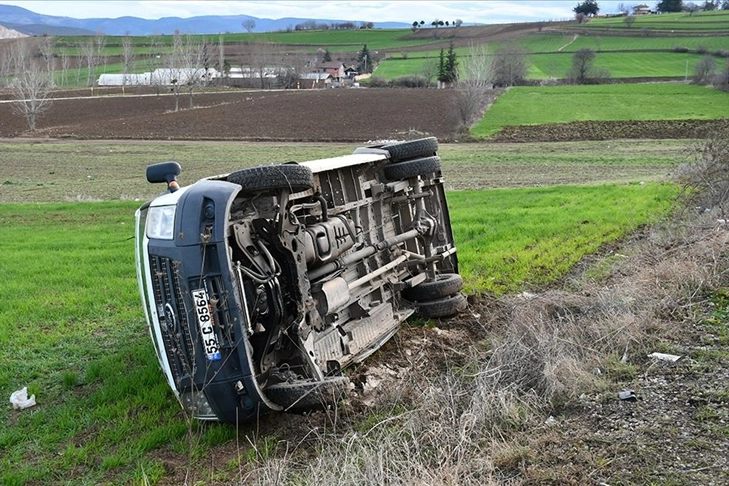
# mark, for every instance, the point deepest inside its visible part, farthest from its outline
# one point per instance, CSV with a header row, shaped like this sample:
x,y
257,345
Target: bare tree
x,y
31,85
100,56
475,81
221,55
629,20
249,25
65,66
583,69
264,58
429,70
45,48
177,66
691,7
154,62
5,62
198,62
127,57
704,71
509,65
88,52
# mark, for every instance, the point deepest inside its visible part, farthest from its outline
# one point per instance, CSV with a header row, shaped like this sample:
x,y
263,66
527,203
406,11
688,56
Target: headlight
x,y
161,222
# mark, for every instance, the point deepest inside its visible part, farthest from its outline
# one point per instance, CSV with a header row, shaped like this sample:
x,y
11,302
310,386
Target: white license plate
x,y
205,323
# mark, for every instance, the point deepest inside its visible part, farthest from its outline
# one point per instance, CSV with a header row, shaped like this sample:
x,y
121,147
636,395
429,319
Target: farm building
x,y
124,80
160,77
642,9
336,70
247,72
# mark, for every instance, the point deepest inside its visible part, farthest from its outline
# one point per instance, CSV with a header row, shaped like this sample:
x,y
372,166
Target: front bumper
x,y
219,386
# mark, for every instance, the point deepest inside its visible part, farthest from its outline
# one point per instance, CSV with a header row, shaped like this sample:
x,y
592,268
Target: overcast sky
x,y
486,12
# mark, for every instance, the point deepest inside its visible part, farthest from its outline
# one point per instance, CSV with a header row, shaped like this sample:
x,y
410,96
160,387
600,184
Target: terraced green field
x,y
561,104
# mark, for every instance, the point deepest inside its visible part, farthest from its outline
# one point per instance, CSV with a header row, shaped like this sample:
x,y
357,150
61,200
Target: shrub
x,y
721,80
702,49
705,68
410,82
680,49
706,178
377,82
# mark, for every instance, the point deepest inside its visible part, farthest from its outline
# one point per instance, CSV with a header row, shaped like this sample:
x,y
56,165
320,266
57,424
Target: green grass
x,y
89,170
603,43
561,104
509,240
71,323
545,64
619,64
72,331
680,21
352,39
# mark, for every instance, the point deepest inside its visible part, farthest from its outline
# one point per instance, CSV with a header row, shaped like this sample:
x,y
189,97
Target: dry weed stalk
x,y
464,425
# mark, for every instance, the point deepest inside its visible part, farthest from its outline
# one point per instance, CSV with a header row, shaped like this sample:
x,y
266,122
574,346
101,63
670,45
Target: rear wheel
x,y
445,307
293,177
444,285
413,168
423,147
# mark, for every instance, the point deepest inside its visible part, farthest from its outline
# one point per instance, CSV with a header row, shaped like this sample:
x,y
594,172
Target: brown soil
x,y
330,115
338,115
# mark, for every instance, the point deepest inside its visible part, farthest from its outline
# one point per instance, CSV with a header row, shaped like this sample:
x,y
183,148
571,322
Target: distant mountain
x,y
31,23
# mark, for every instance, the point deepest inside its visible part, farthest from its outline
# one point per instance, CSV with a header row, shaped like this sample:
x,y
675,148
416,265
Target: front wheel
x,y
292,177
302,396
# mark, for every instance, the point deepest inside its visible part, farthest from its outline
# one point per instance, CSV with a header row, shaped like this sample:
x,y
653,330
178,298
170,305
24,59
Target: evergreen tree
x,y
588,7
448,66
327,56
441,67
451,65
670,6
364,60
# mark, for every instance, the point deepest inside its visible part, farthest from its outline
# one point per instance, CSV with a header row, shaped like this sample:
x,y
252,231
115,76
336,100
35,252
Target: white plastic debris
x,y
20,399
672,358
627,395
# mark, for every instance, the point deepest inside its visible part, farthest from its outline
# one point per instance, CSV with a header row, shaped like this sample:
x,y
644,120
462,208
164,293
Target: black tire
x,y
445,307
444,285
293,177
423,147
302,396
412,168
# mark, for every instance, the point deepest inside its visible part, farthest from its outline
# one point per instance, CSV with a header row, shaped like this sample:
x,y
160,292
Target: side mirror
x,y
165,172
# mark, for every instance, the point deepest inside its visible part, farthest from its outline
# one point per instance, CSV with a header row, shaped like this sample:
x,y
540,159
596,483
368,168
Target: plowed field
x,y
342,115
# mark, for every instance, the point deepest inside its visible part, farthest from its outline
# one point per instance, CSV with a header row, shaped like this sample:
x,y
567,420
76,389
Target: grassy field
x,y
71,325
69,171
635,64
618,64
717,20
559,104
405,57
551,42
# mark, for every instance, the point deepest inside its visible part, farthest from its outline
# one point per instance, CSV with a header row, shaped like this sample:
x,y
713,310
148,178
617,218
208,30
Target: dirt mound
x,y
607,130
